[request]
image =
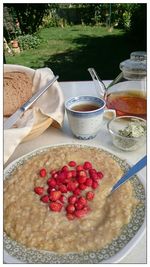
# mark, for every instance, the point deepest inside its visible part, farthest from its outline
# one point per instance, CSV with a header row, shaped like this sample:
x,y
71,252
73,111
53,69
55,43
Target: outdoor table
x,y
63,135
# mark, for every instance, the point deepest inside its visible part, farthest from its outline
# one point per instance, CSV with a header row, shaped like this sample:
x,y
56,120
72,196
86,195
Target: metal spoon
x,y
99,84
128,175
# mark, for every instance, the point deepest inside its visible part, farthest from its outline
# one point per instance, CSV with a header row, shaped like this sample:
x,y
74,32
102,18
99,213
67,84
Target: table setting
x,y
73,116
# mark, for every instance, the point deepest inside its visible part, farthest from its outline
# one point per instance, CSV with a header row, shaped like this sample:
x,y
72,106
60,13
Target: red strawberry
x,y
55,175
55,206
80,213
69,174
82,186
39,190
82,173
82,200
90,195
87,165
63,188
72,199
45,198
65,168
94,184
72,163
55,195
74,173
43,172
91,171
71,186
53,172
87,209
79,168
70,208
79,206
70,216
94,176
77,191
62,199
50,189
82,179
62,176
88,182
51,182
100,175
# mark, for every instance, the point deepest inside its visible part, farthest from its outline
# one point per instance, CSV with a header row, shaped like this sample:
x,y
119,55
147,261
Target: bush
x,y
28,41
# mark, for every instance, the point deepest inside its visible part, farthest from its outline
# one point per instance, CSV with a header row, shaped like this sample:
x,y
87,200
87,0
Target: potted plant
x,y
14,43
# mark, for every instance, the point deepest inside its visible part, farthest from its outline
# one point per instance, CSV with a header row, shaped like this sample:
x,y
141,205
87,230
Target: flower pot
x,y
15,44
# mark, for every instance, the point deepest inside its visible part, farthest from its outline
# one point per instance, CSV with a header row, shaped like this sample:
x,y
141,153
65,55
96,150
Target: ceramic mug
x,y
85,115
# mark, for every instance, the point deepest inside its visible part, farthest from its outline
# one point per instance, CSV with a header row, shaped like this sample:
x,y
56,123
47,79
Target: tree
x,y
29,16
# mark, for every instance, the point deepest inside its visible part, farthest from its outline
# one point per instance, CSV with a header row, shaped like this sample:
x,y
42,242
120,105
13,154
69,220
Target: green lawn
x,y
71,50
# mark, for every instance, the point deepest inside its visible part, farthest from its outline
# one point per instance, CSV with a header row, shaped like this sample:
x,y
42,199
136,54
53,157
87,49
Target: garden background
x,y
69,38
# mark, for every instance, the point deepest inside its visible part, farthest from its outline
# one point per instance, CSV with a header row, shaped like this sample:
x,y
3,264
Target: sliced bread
x,y
17,90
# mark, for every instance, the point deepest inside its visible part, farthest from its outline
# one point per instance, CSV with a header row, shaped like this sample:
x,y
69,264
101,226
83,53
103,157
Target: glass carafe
x,y
127,92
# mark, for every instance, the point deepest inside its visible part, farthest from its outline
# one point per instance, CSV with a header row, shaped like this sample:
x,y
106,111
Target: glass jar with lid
x,y
127,92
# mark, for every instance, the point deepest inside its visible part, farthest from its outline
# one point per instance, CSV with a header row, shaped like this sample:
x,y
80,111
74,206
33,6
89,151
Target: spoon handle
x,y
99,85
133,170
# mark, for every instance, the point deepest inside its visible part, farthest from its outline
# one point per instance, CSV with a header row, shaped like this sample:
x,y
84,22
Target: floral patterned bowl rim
x,y
112,253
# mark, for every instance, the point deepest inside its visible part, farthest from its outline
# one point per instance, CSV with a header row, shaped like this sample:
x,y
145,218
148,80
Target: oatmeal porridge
x,y
46,221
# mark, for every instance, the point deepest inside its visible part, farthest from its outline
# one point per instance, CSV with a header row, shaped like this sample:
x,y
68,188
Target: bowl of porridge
x,y
57,208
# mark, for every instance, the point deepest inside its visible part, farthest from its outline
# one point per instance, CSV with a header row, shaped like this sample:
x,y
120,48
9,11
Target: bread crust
x,y
17,90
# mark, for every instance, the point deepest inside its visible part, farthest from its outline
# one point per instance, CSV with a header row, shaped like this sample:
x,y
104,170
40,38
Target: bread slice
x,y
17,90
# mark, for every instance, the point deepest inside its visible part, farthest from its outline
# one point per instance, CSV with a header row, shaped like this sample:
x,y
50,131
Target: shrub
x,y
28,41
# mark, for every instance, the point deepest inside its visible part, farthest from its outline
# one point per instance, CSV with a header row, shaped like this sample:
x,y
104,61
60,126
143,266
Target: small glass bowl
x,y
128,132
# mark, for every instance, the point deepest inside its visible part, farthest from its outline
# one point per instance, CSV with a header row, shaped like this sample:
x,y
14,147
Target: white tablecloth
x,y
58,136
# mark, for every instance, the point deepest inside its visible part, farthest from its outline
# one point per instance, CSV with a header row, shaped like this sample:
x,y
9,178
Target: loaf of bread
x,y
17,90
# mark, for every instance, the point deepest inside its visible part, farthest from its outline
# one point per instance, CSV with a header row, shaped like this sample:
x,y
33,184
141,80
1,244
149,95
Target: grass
x,y
71,50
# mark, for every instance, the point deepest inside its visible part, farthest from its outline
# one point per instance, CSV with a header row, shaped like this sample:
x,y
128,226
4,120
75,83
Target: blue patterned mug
x,y
85,115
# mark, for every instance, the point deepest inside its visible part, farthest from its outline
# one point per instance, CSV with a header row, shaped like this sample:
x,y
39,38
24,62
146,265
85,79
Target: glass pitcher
x,y
127,92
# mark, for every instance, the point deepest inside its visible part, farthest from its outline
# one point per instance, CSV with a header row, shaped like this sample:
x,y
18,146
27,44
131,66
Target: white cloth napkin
x,y
50,104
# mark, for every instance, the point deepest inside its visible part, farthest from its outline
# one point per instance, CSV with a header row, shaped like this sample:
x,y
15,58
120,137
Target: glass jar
x,y
127,93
